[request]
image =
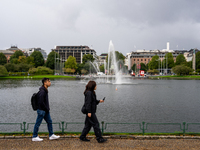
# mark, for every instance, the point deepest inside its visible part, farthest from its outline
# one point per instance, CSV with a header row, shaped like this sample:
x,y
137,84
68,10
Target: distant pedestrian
x,y
43,111
91,119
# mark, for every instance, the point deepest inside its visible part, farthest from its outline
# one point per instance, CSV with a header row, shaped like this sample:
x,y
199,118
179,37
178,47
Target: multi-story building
x,y
75,51
10,51
29,51
145,56
102,58
7,53
128,60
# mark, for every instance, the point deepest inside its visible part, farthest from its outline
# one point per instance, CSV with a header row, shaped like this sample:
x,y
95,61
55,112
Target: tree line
x,y
35,64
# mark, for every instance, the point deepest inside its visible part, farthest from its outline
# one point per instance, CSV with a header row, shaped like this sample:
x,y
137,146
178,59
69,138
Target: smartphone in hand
x,y
104,98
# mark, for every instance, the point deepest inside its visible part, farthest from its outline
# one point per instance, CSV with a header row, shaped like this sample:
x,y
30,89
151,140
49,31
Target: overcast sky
x,y
130,24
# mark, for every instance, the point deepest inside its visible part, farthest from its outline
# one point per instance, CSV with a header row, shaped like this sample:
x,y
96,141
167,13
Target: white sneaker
x,y
37,139
54,137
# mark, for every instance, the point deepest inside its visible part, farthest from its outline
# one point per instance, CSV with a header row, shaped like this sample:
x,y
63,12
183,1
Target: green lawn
x,y
37,77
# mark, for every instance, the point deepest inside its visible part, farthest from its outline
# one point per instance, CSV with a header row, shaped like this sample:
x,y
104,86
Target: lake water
x,y
153,101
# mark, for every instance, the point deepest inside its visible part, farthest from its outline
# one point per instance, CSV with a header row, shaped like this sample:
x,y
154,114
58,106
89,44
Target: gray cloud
x,y
146,24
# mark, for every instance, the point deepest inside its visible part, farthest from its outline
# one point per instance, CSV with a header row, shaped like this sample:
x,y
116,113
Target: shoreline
x,y
176,77
39,77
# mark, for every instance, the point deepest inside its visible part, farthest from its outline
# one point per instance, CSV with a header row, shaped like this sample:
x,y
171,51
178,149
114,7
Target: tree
x,y
83,71
101,68
87,57
133,67
169,60
3,71
198,60
180,59
153,64
79,68
10,67
16,55
189,64
38,58
3,59
22,67
69,70
119,56
182,70
30,60
22,59
15,61
143,67
71,63
51,59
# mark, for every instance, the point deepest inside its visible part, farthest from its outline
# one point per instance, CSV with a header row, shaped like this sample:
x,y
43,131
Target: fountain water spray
x,y
112,64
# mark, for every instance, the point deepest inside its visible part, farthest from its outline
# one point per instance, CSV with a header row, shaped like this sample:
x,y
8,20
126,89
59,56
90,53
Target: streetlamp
x,y
158,65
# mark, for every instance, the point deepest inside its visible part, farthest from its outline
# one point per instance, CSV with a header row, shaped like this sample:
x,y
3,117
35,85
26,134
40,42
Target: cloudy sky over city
x,y
130,24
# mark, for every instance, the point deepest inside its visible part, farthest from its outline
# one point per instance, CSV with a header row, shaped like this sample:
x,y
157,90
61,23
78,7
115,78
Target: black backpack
x,y
34,102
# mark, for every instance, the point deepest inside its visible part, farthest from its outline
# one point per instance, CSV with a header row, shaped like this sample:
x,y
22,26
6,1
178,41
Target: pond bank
x,y
176,77
38,77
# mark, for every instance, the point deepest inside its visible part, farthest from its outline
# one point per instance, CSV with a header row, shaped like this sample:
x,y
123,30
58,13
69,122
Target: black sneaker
x,y
84,139
101,140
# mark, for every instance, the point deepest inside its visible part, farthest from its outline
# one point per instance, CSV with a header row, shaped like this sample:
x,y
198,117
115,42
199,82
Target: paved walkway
x,y
76,144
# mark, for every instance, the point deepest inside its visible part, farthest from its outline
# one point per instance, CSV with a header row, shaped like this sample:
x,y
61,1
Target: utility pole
x,y
55,65
161,62
166,62
194,61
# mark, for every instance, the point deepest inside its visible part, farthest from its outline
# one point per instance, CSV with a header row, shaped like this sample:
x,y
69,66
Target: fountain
x,y
112,65
112,70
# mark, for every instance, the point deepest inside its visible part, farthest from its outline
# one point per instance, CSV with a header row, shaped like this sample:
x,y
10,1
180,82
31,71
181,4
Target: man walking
x,y
43,111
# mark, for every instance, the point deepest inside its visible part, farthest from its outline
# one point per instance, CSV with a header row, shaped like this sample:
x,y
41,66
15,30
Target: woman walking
x,y
91,119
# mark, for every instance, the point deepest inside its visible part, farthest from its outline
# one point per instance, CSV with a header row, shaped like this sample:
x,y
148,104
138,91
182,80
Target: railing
x,y
143,127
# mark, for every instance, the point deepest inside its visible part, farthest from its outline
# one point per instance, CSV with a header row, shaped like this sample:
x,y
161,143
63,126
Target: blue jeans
x,y
46,116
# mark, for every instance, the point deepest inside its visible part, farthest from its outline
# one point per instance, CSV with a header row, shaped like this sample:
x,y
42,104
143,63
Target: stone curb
x,y
112,137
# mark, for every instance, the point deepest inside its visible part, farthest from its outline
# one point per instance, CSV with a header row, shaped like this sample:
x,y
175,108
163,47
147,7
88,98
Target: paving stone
x,y
27,136
9,137
18,137
68,136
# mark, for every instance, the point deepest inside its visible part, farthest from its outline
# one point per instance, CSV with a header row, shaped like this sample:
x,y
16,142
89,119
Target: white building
x,y
29,51
128,60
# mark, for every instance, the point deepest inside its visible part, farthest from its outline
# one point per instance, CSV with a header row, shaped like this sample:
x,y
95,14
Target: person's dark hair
x,y
90,86
44,80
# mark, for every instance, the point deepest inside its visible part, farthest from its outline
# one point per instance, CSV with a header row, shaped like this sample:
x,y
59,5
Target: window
x,y
134,59
137,59
141,59
145,60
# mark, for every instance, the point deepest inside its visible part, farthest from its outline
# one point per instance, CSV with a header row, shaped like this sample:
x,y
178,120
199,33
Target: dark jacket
x,y
43,100
91,102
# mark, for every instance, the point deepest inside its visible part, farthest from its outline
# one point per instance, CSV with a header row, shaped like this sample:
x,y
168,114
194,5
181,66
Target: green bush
x,y
40,71
3,71
193,73
21,67
182,70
